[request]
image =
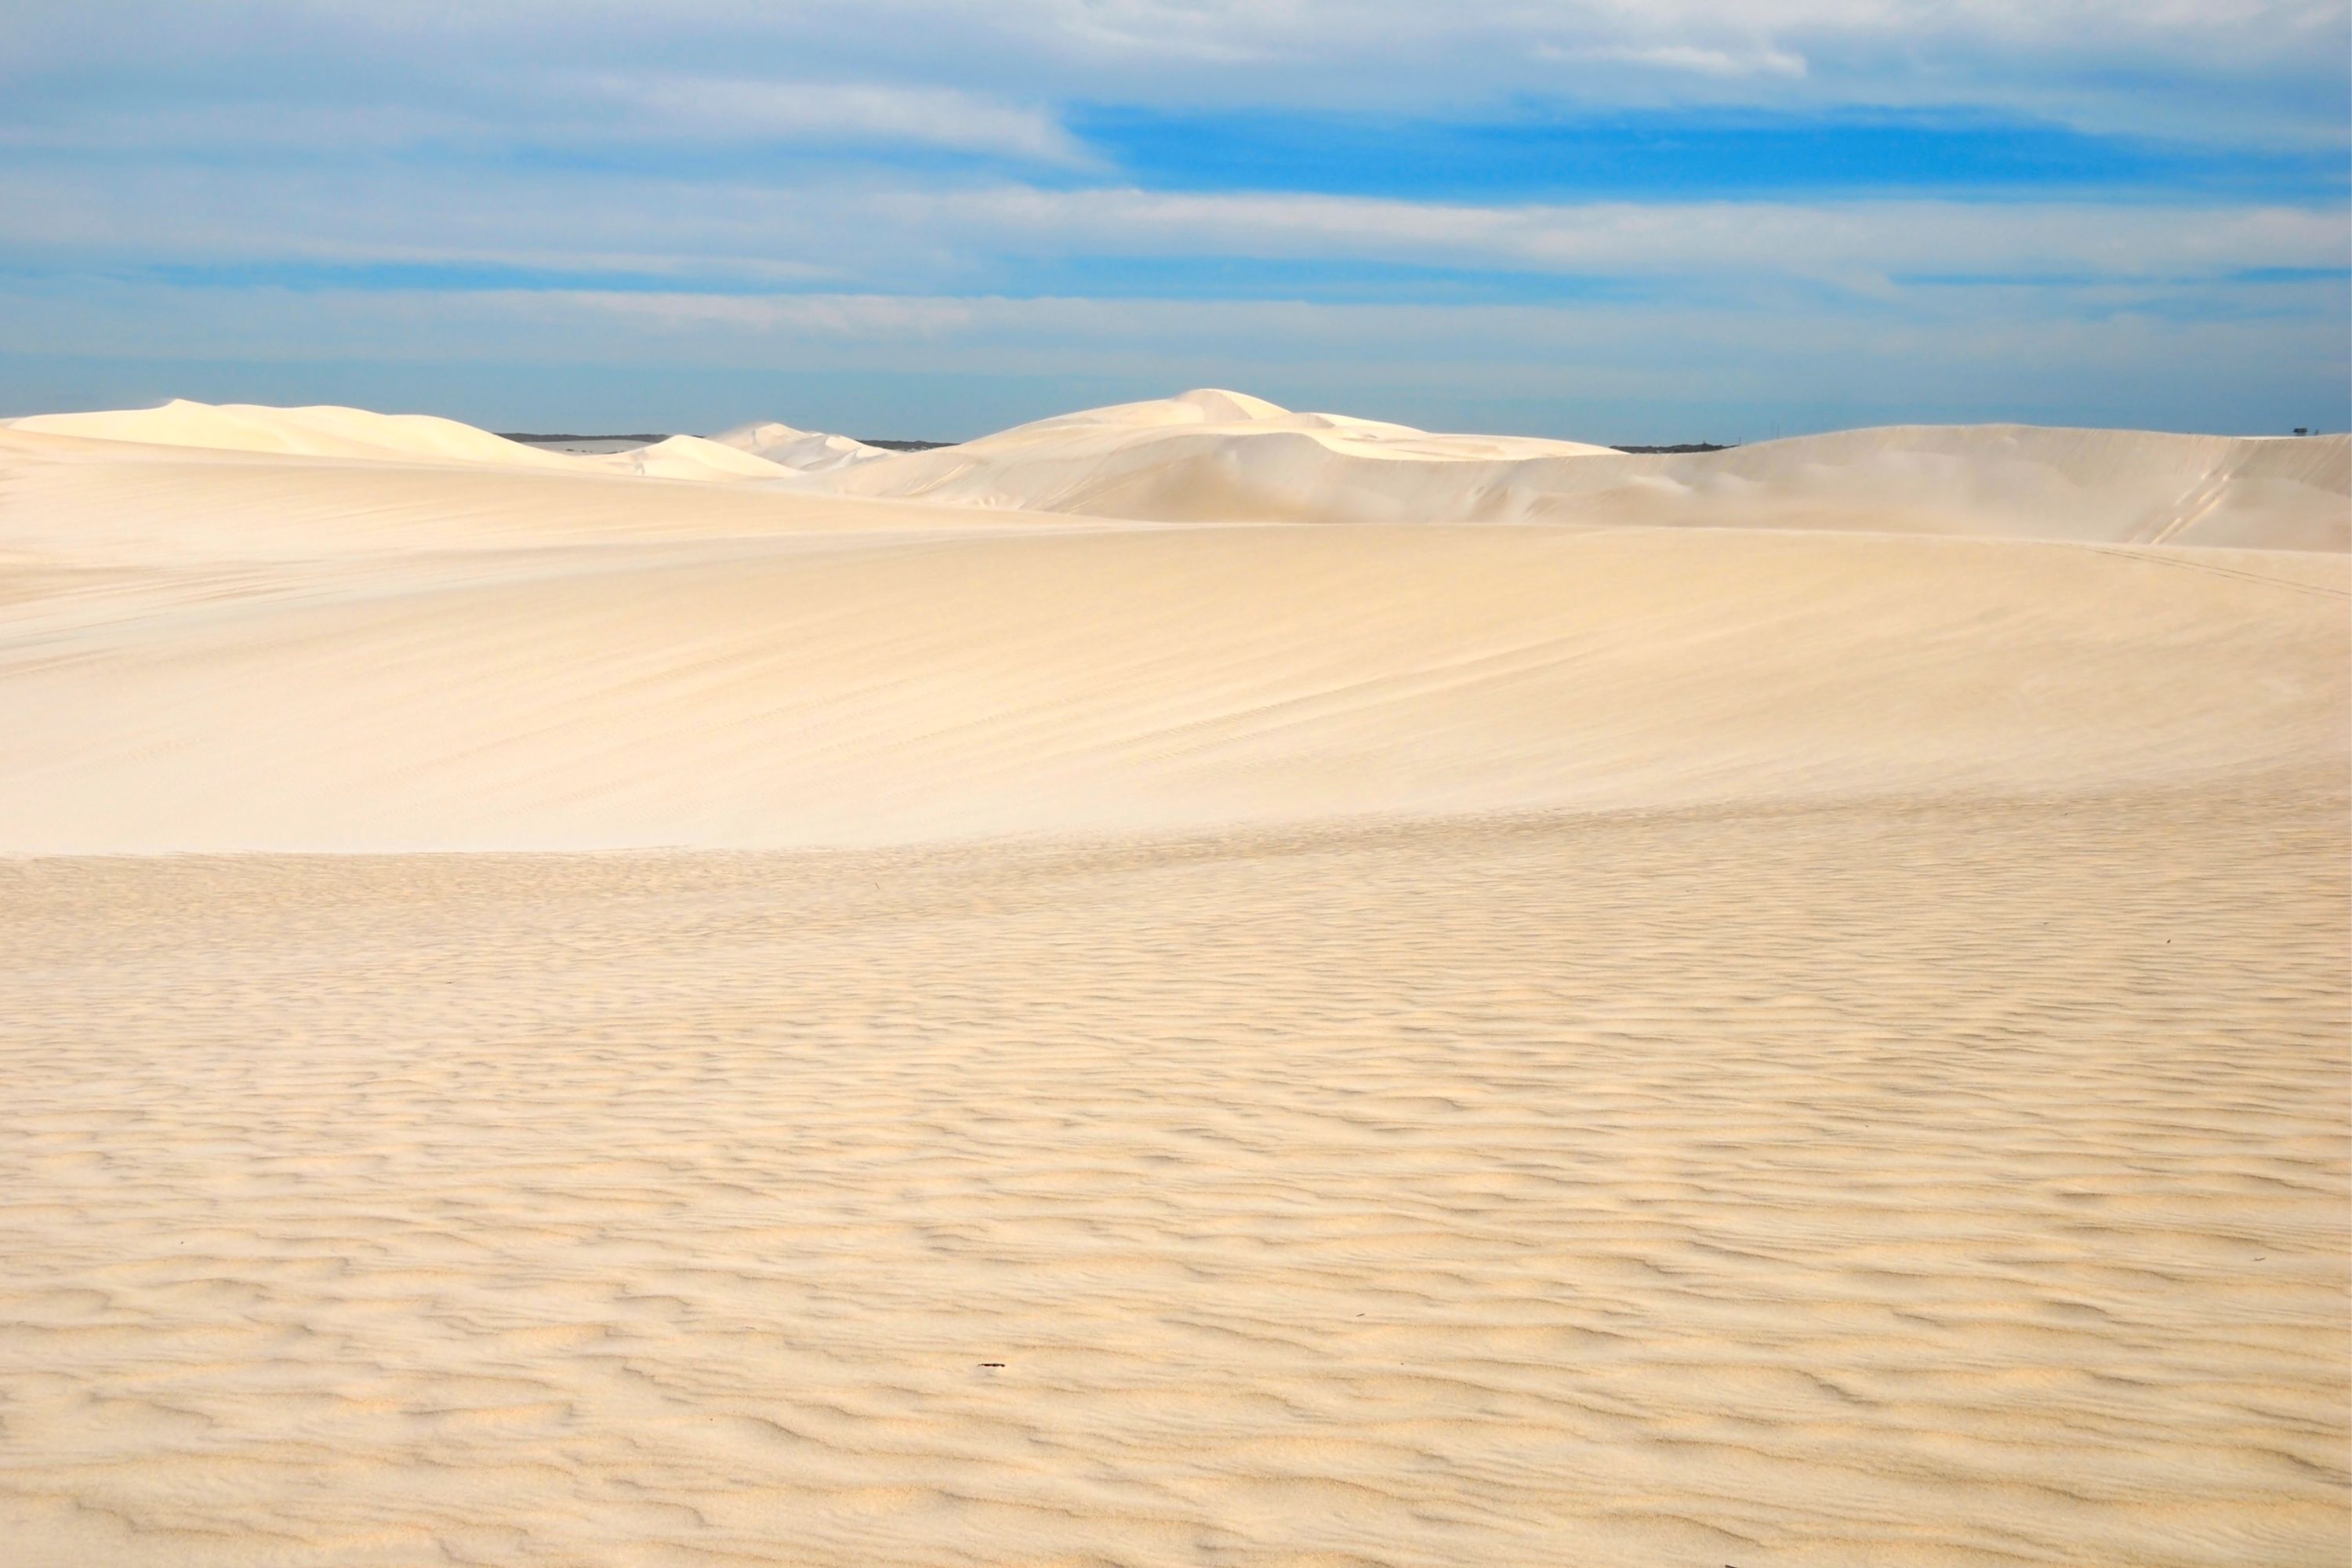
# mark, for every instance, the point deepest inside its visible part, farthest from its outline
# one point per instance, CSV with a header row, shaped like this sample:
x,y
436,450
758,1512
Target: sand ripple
x,y
1961,1182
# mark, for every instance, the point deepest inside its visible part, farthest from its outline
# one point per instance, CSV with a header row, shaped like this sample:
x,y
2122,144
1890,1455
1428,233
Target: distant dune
x,y
808,451
321,628
1219,455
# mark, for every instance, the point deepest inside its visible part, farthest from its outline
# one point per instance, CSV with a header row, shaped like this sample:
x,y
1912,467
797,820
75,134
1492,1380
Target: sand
x,y
1216,455
1028,1035
803,451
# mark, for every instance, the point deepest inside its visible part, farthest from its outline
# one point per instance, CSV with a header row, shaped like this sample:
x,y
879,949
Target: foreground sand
x,y
1934,1182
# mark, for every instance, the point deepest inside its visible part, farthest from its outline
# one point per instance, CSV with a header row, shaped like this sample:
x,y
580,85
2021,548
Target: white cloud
x,y
745,108
849,317
915,239
1713,62
2166,66
577,110
1836,241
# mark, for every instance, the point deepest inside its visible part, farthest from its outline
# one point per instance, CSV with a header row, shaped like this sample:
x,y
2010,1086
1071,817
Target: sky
x,y
1610,220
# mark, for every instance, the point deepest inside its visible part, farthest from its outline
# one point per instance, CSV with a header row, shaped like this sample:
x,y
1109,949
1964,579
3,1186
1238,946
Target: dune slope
x,y
692,458
808,451
1247,460
1215,456
352,658
318,432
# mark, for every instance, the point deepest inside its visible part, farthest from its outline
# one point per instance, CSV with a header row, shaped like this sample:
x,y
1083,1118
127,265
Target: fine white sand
x,y
1215,455
1783,1006
805,451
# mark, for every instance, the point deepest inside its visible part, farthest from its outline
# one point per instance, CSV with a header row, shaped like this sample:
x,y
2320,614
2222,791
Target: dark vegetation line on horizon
x,y
543,438
533,438
530,439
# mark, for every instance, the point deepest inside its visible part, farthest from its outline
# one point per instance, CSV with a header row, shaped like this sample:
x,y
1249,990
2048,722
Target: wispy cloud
x,y
746,108
850,318
918,236
1847,241
1767,59
579,110
2181,66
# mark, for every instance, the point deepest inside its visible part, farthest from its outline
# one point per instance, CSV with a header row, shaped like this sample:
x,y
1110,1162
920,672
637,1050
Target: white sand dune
x,y
1521,1029
1212,455
692,458
1215,456
319,432
239,656
357,435
805,451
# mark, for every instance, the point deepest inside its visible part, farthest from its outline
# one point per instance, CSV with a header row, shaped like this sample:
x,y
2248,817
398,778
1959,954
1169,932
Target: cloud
x,y
1834,241
666,105
2183,68
861,318
1715,62
579,112
914,236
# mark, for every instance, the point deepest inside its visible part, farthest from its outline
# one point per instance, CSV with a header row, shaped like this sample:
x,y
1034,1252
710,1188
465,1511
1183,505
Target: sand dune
x,y
692,458
357,435
1111,1026
1217,456
238,656
319,432
805,451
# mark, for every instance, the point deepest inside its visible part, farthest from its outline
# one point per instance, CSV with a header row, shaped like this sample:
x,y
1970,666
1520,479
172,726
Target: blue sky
x,y
1675,219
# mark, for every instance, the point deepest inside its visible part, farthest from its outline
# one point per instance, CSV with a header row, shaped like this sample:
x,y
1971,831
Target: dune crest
x,y
1215,456
692,458
1203,455
805,451
322,431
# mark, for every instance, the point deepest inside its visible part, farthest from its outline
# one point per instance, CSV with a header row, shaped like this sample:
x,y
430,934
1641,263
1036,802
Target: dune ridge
x,y
692,458
1217,456
1211,456
803,451
322,431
